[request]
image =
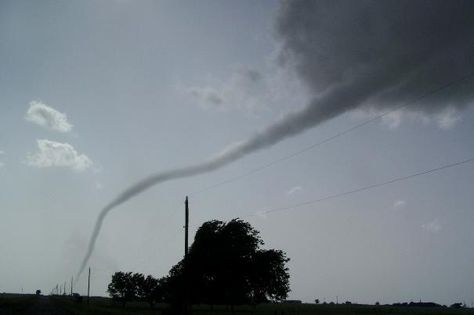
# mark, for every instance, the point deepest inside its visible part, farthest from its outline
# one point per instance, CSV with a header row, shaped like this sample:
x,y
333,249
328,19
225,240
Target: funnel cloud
x,y
353,54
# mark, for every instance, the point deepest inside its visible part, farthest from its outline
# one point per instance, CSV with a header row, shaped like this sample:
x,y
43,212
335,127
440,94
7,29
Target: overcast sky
x,y
97,95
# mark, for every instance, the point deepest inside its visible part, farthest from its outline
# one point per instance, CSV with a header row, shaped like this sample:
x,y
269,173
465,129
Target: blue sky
x,y
96,95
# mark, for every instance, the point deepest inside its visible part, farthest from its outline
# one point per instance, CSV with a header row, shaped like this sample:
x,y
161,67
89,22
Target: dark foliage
x,y
126,287
121,287
457,305
150,290
225,265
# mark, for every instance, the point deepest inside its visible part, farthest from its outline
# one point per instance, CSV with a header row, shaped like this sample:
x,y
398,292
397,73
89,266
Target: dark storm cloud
x,y
352,54
392,51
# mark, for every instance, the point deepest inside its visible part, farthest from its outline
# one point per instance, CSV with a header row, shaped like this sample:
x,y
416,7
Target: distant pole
x,y
72,281
186,227
186,276
89,286
64,291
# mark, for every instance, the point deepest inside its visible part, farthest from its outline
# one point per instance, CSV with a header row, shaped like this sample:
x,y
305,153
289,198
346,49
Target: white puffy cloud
x,y
57,154
274,88
447,118
294,190
241,91
393,120
399,204
433,226
45,116
2,164
207,95
444,119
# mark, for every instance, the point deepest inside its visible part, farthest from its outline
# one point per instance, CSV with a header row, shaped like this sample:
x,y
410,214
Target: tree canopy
x,y
122,287
126,287
225,265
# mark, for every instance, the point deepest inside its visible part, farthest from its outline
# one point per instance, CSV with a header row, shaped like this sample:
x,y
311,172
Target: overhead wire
x,y
363,188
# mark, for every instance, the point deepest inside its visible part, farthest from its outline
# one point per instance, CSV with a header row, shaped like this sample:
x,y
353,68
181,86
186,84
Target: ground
x,y
30,304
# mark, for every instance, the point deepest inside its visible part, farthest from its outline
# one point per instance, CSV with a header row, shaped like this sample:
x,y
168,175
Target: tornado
x,y
366,55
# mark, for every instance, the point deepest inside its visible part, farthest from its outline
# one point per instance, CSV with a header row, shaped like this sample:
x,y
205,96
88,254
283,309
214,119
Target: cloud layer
x,y
57,154
46,116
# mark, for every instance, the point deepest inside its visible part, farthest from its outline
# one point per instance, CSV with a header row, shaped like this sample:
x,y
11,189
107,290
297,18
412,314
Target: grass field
x,y
107,306
15,303
25,304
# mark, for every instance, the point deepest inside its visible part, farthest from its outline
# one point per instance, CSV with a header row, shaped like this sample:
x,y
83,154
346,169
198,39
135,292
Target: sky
x,y
96,96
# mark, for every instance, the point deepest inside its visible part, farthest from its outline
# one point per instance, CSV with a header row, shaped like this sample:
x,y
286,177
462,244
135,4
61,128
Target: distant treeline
x,y
429,304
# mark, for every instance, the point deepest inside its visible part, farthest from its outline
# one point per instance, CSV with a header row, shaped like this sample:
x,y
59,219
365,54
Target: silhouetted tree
x,y
137,283
149,290
122,287
126,287
456,305
226,266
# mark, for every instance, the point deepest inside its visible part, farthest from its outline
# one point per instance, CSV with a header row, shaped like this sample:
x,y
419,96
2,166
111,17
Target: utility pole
x,y
72,280
89,286
186,276
186,227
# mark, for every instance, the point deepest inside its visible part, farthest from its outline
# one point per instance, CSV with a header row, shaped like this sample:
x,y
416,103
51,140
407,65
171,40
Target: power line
x,y
335,136
363,188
